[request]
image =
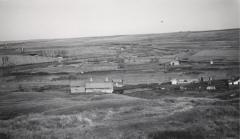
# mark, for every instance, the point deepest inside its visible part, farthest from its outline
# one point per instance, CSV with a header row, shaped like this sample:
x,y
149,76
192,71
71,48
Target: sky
x,y
44,19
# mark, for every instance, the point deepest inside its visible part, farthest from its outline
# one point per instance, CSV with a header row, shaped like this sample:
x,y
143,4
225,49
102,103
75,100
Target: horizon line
x,y
25,40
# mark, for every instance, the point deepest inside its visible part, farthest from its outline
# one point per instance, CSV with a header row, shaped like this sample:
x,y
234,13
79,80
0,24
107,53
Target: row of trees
x,y
4,68
53,53
5,60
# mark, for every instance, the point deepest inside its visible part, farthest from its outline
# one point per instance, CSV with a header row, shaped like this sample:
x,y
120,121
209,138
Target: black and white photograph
x,y
119,69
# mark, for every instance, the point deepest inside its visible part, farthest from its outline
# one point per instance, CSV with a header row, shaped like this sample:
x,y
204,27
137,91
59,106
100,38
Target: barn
x,y
77,87
103,87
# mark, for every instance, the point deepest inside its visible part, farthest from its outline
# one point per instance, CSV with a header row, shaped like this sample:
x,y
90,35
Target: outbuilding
x,y
59,59
211,87
117,83
235,82
174,81
211,62
77,87
183,81
174,63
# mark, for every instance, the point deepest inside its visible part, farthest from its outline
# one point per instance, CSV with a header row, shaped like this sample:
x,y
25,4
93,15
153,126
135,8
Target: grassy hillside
x,y
35,99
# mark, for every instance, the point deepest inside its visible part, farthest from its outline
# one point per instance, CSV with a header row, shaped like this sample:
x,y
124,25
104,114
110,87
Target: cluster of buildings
x,y
95,87
183,81
206,83
234,81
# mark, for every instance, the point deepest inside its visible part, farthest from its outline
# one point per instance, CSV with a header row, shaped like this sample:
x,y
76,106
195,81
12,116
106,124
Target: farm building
x,y
221,84
211,87
205,79
183,81
235,82
117,82
211,62
174,63
77,87
103,87
60,59
174,81
20,50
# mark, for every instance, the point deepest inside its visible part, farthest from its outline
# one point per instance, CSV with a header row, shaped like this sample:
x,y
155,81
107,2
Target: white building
x,y
59,59
211,88
183,81
105,87
174,81
211,62
174,63
77,87
91,87
235,82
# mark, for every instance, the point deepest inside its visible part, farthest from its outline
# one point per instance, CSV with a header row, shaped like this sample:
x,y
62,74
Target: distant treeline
x,y
53,53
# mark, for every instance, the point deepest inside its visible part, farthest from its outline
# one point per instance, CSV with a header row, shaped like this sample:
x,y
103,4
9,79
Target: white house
x,y
211,88
234,82
211,62
77,87
183,81
237,82
103,87
59,59
91,87
174,81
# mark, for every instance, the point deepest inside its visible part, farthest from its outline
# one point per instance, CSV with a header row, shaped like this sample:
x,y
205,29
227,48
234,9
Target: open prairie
x,y
35,78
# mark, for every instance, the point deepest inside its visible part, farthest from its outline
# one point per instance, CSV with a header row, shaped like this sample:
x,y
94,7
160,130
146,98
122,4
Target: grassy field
x,y
14,60
35,101
170,115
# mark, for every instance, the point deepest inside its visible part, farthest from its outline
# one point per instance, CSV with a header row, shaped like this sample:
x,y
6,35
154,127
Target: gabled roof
x,y
237,80
117,80
77,83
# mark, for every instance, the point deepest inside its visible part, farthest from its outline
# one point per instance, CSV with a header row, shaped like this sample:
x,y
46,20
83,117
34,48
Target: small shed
x,y
59,59
211,87
234,82
175,63
102,87
186,81
174,81
211,62
237,82
183,81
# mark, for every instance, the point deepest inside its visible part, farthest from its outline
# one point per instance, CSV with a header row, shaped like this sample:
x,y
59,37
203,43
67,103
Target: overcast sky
x,y
38,19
